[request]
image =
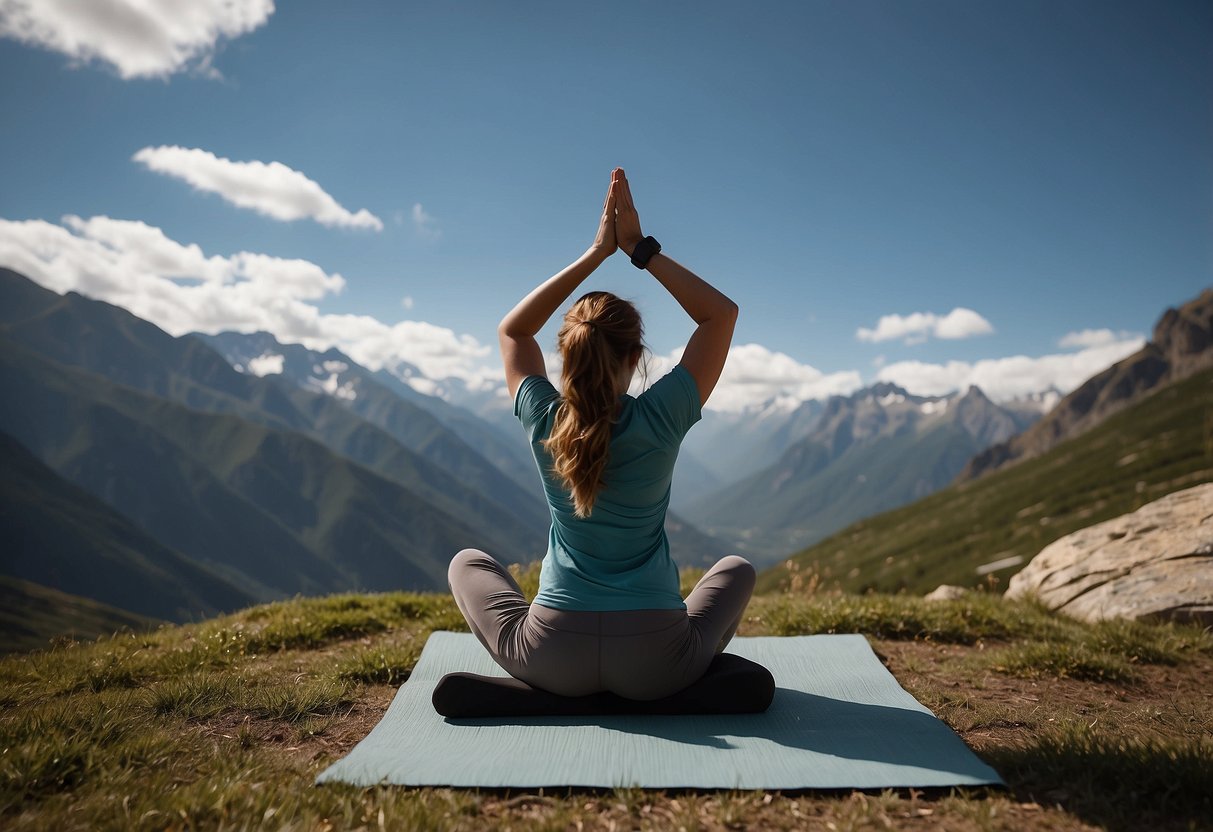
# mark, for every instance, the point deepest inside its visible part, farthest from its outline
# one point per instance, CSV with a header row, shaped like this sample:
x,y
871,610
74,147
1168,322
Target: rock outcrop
x,y
1182,344
1155,563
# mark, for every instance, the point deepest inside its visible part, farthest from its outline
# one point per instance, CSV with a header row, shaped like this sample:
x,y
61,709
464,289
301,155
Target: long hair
x,y
600,335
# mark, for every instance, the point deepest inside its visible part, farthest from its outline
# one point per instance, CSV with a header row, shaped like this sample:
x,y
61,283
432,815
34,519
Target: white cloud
x,y
180,289
918,326
272,189
424,224
755,375
1007,378
1093,338
407,301
137,38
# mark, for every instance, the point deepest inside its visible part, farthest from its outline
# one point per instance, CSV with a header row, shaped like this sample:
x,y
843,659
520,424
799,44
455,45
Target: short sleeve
x,y
532,400
672,404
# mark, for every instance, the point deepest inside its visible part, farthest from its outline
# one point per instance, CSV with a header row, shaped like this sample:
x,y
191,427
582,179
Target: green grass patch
x,y
1139,642
1064,660
294,700
312,623
388,664
195,696
977,617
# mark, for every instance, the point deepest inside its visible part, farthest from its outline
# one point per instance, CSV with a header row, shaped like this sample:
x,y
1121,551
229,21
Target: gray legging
x,y
637,654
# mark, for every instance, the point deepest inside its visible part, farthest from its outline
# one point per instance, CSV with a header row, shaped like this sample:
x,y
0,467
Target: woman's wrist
x,y
596,254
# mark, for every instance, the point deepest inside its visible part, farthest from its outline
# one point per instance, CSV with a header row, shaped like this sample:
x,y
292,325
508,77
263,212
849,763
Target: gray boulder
x,y
1155,563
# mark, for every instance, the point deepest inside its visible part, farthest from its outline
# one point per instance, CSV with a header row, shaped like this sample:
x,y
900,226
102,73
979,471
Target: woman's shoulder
x,y
672,401
533,398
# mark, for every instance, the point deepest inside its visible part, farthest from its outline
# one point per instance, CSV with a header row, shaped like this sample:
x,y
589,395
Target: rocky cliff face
x,y
1182,344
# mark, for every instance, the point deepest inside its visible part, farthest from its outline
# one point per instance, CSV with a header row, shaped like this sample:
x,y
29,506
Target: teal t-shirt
x,y
618,558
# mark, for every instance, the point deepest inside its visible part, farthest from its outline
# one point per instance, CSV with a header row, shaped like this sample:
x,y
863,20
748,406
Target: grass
x,y
224,724
1161,444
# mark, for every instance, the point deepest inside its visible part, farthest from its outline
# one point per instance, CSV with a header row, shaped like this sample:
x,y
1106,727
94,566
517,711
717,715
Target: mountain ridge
x,y
106,339
866,452
1181,344
58,534
1157,445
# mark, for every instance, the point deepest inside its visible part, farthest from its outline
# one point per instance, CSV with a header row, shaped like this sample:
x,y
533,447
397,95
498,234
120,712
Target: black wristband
x,y
644,251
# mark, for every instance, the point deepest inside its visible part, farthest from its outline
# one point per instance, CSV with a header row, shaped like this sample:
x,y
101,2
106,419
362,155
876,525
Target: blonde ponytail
x,y
600,335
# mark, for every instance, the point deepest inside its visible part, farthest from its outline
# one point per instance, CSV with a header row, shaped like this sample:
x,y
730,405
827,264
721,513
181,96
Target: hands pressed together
x,y
619,227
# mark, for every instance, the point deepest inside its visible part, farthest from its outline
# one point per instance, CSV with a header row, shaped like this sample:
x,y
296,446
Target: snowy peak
x,y
261,354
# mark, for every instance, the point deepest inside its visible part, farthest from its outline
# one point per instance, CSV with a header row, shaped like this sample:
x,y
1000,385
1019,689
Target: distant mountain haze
x,y
1182,344
729,446
109,340
874,450
429,425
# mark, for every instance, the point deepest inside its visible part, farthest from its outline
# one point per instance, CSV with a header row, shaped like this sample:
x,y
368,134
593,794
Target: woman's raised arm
x,y
713,312
520,352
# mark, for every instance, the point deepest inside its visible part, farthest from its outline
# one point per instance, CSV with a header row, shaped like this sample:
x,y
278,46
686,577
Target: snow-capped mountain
x,y
874,450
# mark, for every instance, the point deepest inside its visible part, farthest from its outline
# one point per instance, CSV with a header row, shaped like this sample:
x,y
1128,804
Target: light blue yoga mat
x,y
839,720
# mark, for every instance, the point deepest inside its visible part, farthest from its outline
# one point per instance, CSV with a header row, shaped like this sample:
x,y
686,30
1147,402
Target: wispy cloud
x,y
1013,376
181,289
918,326
424,224
137,38
1094,338
269,188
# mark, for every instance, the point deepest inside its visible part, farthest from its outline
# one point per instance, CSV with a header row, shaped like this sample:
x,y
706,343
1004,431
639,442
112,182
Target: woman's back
x,y
618,557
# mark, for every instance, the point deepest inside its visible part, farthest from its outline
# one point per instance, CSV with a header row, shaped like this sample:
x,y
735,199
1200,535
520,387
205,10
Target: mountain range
x,y
1181,345
175,477
148,473
981,532
857,455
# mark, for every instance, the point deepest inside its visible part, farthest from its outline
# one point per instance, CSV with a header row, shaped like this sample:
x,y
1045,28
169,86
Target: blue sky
x,y
1048,166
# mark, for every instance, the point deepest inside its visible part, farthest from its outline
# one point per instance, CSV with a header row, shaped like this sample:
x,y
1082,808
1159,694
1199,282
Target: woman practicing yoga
x,y
608,616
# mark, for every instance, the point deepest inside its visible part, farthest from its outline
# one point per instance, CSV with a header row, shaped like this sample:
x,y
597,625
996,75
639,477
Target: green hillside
x,y
59,535
31,615
1159,445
